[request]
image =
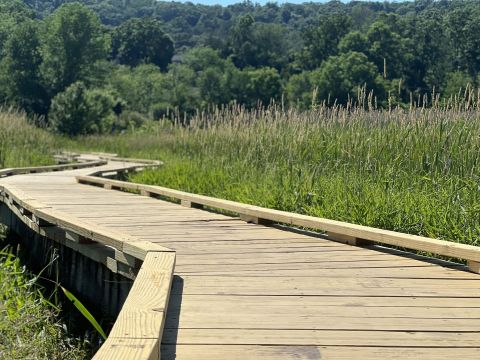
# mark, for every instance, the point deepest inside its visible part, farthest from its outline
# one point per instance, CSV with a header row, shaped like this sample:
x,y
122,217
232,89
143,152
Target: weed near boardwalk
x,y
29,326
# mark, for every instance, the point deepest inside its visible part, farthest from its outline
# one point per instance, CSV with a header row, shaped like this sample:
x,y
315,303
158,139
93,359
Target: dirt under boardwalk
x,y
245,291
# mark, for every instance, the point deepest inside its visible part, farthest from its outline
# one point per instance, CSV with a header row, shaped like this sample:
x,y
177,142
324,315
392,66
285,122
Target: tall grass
x,y
415,171
23,144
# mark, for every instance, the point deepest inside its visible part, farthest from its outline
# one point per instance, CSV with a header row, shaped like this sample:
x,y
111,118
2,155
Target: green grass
x,y
29,325
415,171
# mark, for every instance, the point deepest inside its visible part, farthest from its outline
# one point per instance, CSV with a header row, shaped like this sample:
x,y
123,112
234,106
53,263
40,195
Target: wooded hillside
x,y
123,60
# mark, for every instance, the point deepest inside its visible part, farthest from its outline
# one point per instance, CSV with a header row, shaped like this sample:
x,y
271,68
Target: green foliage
x,y
29,326
142,41
354,41
342,76
464,28
387,49
457,84
221,53
13,13
213,88
322,41
79,110
200,58
69,110
263,85
84,311
242,41
141,87
258,44
20,67
179,86
431,53
299,90
339,79
73,41
133,120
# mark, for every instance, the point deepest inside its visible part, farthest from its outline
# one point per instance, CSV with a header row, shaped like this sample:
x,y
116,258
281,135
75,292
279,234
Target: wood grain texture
x,y
129,349
312,352
143,314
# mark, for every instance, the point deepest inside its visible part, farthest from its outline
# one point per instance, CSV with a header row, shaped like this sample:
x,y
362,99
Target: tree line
x,y
105,65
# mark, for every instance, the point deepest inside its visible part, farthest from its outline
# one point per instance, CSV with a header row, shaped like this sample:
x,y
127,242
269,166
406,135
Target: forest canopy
x,y
110,64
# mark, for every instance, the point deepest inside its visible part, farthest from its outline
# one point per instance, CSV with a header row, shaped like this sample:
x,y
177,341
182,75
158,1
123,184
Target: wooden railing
x,y
336,230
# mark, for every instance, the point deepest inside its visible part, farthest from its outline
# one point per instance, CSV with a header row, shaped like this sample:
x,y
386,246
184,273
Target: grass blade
x,y
83,310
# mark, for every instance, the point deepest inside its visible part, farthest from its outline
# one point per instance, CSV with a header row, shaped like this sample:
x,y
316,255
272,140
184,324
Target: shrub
x,y
79,111
128,120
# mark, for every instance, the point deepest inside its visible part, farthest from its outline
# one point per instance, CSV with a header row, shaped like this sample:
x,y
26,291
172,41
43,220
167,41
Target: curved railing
x,y
138,328
335,230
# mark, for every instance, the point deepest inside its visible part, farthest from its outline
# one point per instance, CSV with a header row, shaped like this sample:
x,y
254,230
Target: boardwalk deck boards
x,y
247,291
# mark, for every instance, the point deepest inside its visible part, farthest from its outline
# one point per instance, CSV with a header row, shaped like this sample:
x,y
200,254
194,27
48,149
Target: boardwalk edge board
x,y
348,233
41,169
138,330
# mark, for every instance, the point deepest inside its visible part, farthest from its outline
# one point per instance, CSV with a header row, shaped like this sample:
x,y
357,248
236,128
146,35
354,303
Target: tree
x,y
387,50
322,41
270,46
464,28
142,41
258,44
457,85
299,90
242,42
12,14
69,111
264,85
340,78
21,69
142,86
212,87
180,88
202,57
74,41
79,111
354,41
431,54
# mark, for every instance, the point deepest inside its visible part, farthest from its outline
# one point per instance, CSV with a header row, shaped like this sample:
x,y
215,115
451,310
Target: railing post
x,y
190,204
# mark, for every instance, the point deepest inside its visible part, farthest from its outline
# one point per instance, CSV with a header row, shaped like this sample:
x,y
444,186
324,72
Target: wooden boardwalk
x,y
248,291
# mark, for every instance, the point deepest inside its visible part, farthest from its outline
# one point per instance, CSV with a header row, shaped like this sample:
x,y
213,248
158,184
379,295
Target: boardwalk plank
x,y
241,352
